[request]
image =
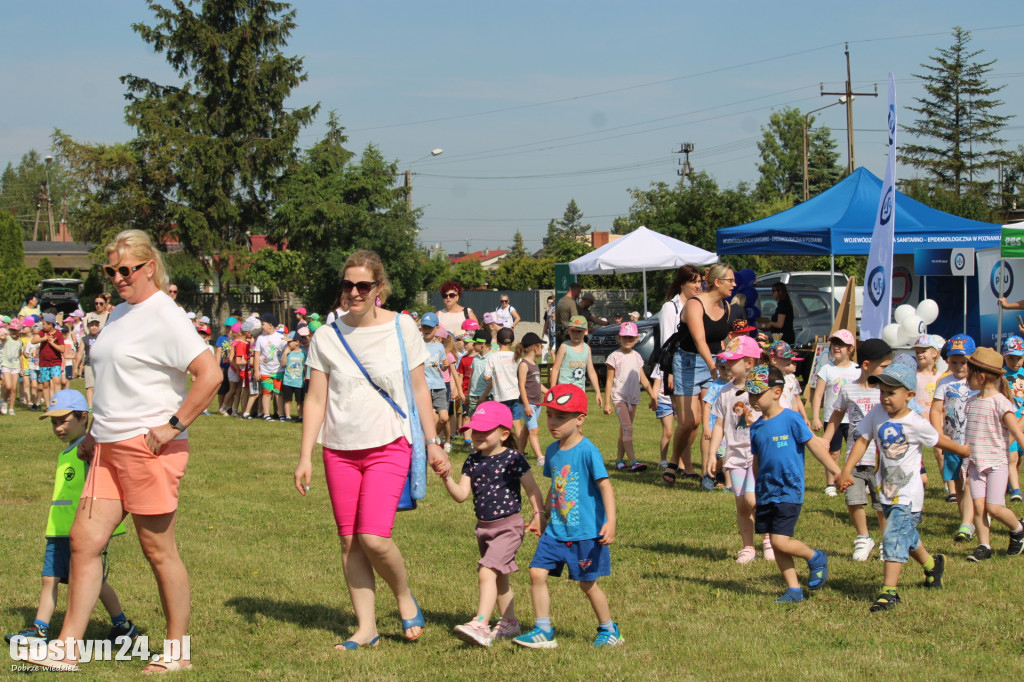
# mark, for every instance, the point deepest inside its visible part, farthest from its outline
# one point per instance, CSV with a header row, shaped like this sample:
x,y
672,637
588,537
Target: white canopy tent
x,y
639,251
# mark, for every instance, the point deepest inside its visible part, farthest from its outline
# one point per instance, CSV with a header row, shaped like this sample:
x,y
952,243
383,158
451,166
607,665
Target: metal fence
x,y
526,303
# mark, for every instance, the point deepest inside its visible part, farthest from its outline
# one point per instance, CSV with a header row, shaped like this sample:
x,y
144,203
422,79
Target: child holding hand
x,y
494,472
625,377
830,379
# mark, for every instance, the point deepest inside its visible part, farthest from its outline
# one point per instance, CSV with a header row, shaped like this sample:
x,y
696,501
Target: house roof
x,y
487,254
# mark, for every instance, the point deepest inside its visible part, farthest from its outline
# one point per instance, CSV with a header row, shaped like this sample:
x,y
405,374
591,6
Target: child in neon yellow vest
x,y
69,416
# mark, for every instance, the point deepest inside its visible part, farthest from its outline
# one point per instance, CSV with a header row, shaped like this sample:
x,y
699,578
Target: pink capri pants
x,y
365,486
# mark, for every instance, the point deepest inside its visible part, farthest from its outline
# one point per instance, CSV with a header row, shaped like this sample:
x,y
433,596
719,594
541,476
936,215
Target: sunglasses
x,y
362,287
172,291
451,294
504,300
124,270
100,302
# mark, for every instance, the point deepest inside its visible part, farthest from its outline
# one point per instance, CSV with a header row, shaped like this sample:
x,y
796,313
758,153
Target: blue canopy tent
x,y
839,222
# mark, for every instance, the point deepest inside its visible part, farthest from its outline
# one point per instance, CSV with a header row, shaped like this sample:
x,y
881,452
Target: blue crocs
x,y
416,621
818,567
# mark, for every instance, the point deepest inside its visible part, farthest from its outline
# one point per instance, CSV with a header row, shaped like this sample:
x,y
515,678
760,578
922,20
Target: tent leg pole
x,y
999,313
645,292
965,306
832,286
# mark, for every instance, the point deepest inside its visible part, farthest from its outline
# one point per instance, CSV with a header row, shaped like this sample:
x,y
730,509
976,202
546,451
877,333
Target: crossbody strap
x,y
381,391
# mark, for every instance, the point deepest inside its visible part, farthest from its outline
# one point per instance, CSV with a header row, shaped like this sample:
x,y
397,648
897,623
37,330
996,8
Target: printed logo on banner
x,y
902,281
959,261
885,215
892,123
877,285
1001,288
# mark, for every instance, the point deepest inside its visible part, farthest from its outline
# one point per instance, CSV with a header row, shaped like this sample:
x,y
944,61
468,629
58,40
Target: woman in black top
x,y
782,318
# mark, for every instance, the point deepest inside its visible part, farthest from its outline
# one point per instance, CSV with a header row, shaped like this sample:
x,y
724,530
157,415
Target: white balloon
x,y
902,312
903,338
912,327
928,310
891,334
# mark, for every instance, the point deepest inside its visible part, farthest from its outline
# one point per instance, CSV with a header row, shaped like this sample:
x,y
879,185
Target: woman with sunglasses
x,y
505,314
453,314
366,442
141,408
101,311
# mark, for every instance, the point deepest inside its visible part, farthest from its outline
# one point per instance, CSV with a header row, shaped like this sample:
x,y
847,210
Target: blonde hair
x,y
1002,385
716,271
371,261
138,244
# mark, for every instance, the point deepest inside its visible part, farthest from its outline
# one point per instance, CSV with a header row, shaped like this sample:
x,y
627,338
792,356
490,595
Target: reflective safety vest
x,y
67,490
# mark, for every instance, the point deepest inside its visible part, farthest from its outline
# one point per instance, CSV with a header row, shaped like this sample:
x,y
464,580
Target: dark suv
x,y
605,340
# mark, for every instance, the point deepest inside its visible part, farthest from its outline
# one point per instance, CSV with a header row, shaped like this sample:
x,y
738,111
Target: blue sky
x,y
534,103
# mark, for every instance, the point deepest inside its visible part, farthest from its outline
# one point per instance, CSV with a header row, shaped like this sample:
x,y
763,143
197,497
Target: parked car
x,y
811,313
603,341
814,280
61,293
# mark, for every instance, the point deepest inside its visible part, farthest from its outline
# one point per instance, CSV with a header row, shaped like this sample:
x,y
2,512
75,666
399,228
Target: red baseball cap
x,y
489,415
566,398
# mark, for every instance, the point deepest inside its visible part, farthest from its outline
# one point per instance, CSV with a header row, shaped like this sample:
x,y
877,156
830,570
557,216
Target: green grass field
x,y
269,598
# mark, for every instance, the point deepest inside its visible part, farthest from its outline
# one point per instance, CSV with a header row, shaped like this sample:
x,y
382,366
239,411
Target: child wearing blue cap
x,y
948,414
899,435
69,417
1013,360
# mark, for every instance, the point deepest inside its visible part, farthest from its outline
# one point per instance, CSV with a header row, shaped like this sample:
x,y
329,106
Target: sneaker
x,y
3,408
540,461
32,634
1016,543
885,601
933,578
830,490
284,419
448,447
537,639
746,555
1016,496
125,629
964,534
790,596
620,465
506,629
609,638
267,418
766,546
223,413
637,465
980,553
474,632
663,464
246,416
862,547
10,410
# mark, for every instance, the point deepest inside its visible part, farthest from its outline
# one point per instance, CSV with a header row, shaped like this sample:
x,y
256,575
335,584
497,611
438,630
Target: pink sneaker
x,y
746,555
474,632
769,553
506,629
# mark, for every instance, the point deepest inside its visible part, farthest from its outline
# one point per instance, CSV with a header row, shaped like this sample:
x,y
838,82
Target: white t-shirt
x,y
356,416
835,378
668,321
954,393
855,401
503,316
986,432
270,348
790,392
626,386
737,416
899,441
501,367
140,366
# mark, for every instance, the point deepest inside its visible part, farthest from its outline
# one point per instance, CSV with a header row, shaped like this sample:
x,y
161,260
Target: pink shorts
x,y
144,483
989,484
365,486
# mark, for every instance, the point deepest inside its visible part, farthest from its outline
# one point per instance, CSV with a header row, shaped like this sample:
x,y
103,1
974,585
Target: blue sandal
x,y
818,567
416,621
352,645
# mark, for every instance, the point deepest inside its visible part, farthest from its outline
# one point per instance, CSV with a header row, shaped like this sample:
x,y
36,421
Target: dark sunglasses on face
x,y
362,287
100,302
172,291
124,270
451,294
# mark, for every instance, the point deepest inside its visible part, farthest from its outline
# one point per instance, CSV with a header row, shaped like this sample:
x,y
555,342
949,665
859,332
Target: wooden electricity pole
x,y
849,94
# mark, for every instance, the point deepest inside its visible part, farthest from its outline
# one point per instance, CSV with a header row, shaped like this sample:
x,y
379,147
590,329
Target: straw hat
x,y
987,359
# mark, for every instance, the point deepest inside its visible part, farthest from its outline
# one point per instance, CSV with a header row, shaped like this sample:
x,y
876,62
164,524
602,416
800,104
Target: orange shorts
x,y
144,483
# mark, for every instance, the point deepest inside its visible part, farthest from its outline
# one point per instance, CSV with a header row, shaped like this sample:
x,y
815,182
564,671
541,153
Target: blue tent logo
x,y
959,262
876,285
1001,279
885,215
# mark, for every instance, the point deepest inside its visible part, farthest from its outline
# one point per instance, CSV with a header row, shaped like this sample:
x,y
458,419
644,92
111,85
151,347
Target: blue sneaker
x,y
538,639
32,634
790,596
125,629
609,638
818,567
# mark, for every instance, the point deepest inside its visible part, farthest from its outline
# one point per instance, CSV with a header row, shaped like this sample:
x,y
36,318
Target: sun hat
x,y
589,296
314,325
873,349
577,322
1014,345
440,331
489,415
14,325
488,318
741,347
961,344
204,320
236,327
65,402
530,339
740,326
929,341
783,351
50,318
482,336
300,311
628,329
250,324
761,379
190,315
506,336
470,325
429,320
270,318
314,316
845,336
230,321
303,331
987,359
566,398
896,374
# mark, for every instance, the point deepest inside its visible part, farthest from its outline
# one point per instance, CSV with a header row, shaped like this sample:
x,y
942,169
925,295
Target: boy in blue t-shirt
x,y
721,477
581,507
294,377
777,442
437,362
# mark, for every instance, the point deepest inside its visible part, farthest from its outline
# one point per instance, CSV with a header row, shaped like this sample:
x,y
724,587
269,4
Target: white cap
x,y
190,316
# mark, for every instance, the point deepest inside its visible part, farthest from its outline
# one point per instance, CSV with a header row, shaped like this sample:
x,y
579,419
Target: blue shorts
x,y
57,559
662,410
690,374
69,372
48,373
588,560
776,517
531,422
842,433
33,374
951,466
900,537
518,412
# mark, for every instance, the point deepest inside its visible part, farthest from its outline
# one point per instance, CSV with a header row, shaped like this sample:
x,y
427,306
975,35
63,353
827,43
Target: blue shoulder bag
x,y
416,484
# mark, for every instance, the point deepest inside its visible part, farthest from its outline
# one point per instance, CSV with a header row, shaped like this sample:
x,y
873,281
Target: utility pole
x,y
849,95
684,148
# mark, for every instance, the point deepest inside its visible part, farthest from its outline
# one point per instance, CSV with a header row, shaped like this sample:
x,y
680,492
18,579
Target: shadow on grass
x,y
713,554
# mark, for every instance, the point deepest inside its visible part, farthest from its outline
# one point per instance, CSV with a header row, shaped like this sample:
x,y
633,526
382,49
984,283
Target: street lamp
x,y
807,116
408,174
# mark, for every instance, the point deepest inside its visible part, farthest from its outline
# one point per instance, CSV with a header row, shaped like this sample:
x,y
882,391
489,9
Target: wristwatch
x,y
434,441
176,423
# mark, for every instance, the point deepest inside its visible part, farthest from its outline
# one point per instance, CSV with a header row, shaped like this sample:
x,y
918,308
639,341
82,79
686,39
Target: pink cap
x,y
300,311
741,347
628,329
489,415
236,327
469,325
489,318
440,332
845,336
